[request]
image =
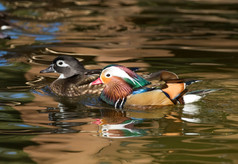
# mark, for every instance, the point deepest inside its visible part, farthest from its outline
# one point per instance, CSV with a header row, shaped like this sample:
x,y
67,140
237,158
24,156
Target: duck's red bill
x,y
96,82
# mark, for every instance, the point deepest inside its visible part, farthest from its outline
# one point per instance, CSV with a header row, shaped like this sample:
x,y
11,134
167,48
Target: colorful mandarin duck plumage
x,y
115,124
125,88
74,79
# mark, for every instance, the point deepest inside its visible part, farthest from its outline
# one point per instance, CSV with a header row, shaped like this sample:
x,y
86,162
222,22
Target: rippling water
x,y
194,38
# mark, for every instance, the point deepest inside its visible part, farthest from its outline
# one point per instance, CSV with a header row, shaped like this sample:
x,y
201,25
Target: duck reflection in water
x,y
113,123
129,123
164,121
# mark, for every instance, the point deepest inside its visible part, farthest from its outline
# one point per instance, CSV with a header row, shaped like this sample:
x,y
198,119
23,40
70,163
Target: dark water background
x,y
194,38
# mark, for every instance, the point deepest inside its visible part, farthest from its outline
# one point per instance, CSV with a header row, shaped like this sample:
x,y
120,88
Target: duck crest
x,y
133,79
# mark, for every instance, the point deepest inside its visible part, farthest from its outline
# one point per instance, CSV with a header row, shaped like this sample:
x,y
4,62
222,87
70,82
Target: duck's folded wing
x,y
82,87
150,98
75,86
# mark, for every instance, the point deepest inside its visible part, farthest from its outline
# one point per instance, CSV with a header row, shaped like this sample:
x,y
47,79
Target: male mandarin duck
x,y
125,88
74,79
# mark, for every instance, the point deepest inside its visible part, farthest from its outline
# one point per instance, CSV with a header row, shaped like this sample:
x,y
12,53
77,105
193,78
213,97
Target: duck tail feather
x,y
202,92
194,96
189,82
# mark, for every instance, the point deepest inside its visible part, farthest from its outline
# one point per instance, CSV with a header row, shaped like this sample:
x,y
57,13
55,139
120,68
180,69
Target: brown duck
x,y
74,79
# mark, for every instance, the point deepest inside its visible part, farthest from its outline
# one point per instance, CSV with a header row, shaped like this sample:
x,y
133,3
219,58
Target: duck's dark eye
x,y
60,63
108,75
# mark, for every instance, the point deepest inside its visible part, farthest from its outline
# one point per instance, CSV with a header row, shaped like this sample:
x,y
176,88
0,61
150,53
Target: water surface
x,y
196,39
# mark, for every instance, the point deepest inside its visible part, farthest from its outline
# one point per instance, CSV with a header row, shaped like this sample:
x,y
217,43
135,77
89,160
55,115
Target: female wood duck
x,y
74,79
124,88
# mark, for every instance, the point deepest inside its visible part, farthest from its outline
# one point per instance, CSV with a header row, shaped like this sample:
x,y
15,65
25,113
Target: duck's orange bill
x,y
96,82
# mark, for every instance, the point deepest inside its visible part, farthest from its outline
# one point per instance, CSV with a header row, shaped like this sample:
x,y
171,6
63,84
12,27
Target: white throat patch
x,y
61,76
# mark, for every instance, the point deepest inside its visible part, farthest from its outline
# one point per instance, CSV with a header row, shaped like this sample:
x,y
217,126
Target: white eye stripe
x,y
61,63
115,71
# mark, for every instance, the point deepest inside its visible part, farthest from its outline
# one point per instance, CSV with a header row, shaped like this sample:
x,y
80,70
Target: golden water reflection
x,y
196,39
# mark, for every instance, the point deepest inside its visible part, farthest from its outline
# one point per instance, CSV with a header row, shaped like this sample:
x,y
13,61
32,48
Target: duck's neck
x,y
71,76
115,93
60,86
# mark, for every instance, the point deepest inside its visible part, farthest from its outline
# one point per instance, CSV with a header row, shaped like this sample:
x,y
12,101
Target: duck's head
x,y
119,82
115,73
67,66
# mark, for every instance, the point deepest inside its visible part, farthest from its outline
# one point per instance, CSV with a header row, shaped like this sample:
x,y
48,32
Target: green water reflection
x,y
195,39
13,138
12,128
